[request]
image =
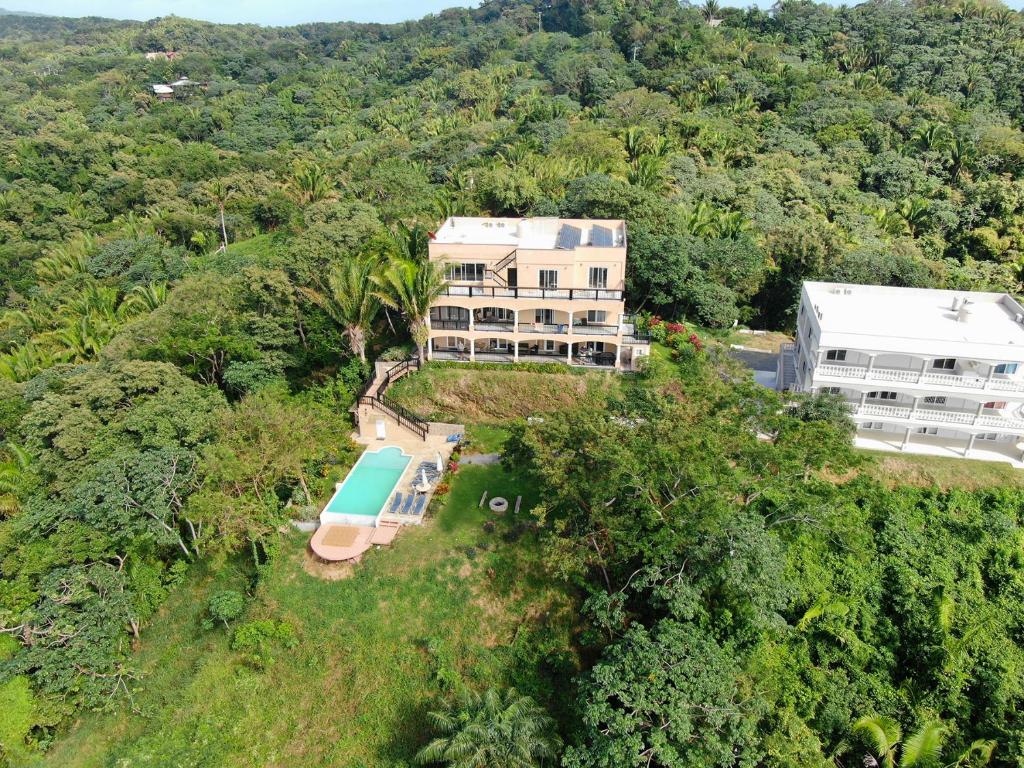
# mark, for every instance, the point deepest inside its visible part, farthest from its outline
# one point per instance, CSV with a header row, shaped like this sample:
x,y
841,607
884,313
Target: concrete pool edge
x,y
347,518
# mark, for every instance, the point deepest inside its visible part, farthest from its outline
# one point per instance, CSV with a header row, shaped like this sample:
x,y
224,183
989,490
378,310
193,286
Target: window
x,y
883,395
927,430
596,315
1006,368
988,436
546,316
944,363
548,278
597,277
871,425
549,345
466,272
831,390
835,354
936,399
996,405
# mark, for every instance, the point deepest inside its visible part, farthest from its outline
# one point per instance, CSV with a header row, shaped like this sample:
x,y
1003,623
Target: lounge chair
x,y
395,503
454,438
408,503
420,503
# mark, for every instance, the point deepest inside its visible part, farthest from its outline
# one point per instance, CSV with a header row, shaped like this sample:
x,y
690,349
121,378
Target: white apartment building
x,y
534,290
924,371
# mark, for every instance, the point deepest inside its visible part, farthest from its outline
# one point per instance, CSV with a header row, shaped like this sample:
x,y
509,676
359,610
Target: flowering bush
x,y
453,467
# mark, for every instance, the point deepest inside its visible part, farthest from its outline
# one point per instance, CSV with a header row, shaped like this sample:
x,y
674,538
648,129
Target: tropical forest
x,y
195,288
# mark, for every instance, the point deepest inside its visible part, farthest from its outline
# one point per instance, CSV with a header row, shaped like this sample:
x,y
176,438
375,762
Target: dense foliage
x,y
191,290
748,611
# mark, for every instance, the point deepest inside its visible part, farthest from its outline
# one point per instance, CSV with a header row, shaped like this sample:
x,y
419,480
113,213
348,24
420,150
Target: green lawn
x,y
485,438
454,600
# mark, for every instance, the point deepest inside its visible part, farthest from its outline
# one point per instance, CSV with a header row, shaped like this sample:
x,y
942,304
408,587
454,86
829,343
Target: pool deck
x,y
348,542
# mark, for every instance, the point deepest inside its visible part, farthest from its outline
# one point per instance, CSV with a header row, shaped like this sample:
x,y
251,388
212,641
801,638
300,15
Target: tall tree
x,y
349,299
411,287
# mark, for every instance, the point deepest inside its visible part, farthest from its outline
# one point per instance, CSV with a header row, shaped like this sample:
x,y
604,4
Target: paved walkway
x,y
481,458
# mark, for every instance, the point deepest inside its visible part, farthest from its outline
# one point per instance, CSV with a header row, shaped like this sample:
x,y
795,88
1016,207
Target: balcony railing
x,y
933,415
514,292
504,326
917,377
546,328
595,329
449,325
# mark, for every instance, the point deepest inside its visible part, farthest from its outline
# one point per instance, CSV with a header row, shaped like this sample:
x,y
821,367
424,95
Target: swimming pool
x,y
360,498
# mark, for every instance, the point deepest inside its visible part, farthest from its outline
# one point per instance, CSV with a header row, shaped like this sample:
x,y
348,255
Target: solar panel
x,y
601,237
568,237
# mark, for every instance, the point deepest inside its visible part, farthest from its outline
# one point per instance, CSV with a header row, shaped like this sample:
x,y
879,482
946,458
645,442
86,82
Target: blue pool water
x,y
369,483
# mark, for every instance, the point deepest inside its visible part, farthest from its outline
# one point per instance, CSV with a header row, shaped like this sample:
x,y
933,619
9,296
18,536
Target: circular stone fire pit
x,y
498,504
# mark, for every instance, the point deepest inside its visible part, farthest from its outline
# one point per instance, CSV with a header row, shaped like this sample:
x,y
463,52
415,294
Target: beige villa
x,y
534,290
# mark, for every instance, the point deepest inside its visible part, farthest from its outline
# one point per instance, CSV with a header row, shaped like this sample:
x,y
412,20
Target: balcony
x,y
558,329
498,292
595,329
936,416
907,376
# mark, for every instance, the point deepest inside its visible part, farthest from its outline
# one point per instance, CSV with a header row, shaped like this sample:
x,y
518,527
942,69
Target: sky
x,y
272,12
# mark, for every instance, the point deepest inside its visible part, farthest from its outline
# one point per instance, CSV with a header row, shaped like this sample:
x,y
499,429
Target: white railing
x,y
932,415
862,373
891,411
1005,385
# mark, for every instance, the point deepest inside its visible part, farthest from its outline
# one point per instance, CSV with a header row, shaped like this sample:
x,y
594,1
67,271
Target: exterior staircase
x,y
374,396
785,374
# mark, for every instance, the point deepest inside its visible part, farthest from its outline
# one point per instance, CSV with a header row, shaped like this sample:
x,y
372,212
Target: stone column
x,y
977,414
569,353
871,365
472,350
618,356
924,369
970,445
430,349
906,438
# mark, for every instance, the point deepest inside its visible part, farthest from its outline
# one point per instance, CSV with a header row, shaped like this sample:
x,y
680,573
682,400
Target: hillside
x,y
194,289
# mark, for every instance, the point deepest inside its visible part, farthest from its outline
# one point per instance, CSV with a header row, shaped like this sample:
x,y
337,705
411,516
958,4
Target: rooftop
x,y
540,233
918,321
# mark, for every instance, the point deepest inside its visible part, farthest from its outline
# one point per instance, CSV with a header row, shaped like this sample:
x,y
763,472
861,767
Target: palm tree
x,y
884,733
709,10
219,192
349,300
13,470
410,287
493,730
921,749
310,183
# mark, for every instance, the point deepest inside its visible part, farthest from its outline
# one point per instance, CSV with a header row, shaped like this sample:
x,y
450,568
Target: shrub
x,y
255,640
224,607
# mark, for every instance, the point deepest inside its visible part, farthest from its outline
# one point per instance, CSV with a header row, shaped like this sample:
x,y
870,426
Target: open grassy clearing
x,y
944,472
457,600
494,396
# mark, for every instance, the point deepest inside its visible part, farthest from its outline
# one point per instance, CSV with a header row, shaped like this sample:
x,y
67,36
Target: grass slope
x,y
494,395
945,472
448,602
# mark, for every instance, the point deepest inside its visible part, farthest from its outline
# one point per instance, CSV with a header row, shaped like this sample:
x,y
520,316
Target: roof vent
x,y
1019,317
956,304
963,314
